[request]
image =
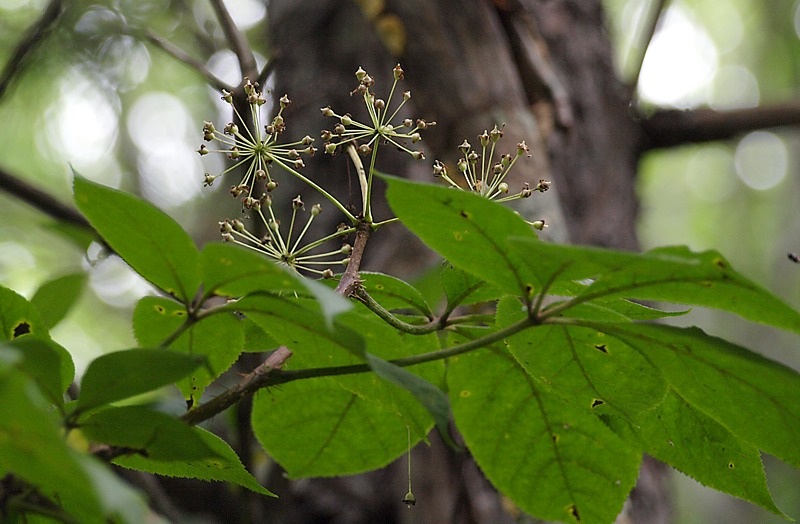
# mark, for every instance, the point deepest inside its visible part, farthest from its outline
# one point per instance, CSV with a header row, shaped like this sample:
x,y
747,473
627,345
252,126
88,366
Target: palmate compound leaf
x,y
344,424
671,274
225,466
466,229
678,434
151,242
555,460
583,366
218,337
752,397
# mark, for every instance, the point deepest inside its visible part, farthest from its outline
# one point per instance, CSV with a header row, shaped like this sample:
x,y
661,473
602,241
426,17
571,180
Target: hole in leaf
x,y
464,214
597,402
160,310
465,394
720,263
601,347
730,465
23,328
555,438
572,509
179,313
457,235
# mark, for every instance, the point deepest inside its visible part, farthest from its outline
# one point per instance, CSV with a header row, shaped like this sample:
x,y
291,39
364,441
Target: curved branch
x,y
237,40
670,128
180,55
654,15
32,39
41,200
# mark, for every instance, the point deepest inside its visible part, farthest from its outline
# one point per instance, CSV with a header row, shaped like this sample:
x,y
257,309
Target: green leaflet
x,y
583,366
323,437
47,363
218,337
466,229
19,317
233,271
393,293
55,298
553,459
752,397
145,237
123,374
693,443
33,448
224,467
150,433
671,274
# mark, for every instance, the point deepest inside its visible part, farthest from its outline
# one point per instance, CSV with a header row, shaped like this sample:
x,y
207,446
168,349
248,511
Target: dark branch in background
x,y
32,38
41,200
192,62
266,71
653,17
237,40
670,128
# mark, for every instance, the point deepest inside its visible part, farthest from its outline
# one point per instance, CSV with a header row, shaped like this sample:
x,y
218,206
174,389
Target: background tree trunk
x,y
542,68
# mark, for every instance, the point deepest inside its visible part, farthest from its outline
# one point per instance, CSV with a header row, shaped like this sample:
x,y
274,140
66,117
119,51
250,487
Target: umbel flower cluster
x,y
255,150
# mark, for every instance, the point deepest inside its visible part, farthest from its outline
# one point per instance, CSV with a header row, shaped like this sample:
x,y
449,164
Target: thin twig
x,y
263,76
651,20
350,278
236,39
179,54
30,41
247,386
670,128
41,200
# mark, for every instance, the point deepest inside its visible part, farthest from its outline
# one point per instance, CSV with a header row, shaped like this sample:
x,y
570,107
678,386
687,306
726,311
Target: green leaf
x,y
671,274
18,317
32,447
256,340
355,422
696,445
55,298
554,460
393,293
218,337
583,366
462,288
320,428
225,467
752,397
150,433
233,271
48,364
468,230
123,374
145,237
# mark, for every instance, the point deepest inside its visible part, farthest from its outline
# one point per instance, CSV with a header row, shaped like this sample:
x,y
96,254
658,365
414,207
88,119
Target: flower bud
x,y
380,103
338,129
522,148
230,129
208,180
234,154
274,225
238,225
406,95
464,147
418,155
299,164
227,96
439,169
326,135
316,209
272,185
260,174
330,148
284,100
346,249
360,74
415,137
462,165
502,187
539,224
484,138
225,226
327,111
398,72
364,150
408,122
496,134
297,203
346,119
202,150
543,185
328,273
